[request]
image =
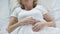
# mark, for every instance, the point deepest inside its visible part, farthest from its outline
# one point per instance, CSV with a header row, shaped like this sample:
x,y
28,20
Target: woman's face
x,y
27,3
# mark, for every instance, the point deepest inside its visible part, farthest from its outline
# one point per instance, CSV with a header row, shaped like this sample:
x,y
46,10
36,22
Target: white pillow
x,y
14,3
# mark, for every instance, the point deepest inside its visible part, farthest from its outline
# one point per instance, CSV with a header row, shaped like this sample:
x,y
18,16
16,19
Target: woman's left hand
x,y
38,26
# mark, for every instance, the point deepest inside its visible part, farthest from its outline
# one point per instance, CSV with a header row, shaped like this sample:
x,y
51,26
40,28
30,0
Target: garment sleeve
x,y
15,12
43,9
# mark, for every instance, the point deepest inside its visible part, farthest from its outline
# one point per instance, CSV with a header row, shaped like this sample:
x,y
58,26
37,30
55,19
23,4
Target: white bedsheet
x,y
4,13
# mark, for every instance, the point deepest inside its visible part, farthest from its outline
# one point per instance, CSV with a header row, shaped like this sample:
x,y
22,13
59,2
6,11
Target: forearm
x,y
13,27
52,23
49,24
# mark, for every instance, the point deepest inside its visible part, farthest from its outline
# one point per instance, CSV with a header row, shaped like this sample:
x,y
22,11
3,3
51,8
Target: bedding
x,y
54,6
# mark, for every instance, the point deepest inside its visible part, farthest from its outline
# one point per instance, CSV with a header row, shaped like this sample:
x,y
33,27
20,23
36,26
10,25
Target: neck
x,y
26,8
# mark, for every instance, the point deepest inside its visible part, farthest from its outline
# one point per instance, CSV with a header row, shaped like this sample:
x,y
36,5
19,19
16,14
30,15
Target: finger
x,y
33,20
30,18
37,29
34,27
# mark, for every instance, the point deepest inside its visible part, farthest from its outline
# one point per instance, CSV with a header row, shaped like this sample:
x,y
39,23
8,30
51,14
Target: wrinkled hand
x,y
38,26
29,20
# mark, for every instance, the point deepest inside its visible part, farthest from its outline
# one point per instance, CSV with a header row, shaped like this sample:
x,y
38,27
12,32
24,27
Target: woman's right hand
x,y
28,20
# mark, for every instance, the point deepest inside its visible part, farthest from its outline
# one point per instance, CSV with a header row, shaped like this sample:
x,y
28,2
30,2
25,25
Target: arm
x,y
49,19
13,24
40,25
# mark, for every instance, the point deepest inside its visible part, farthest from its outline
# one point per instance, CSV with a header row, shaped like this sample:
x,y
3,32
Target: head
x,y
28,3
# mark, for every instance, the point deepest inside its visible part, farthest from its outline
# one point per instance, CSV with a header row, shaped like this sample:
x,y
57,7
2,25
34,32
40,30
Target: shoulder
x,y
16,10
41,7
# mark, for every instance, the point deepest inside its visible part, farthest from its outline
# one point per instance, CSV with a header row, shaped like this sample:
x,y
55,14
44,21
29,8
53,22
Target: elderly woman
x,y
32,17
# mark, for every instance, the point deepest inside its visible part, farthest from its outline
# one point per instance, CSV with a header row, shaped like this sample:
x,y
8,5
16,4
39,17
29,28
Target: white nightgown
x,y
36,13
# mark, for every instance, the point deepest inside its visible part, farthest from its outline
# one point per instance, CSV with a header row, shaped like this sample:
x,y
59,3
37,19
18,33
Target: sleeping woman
x,y
31,16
